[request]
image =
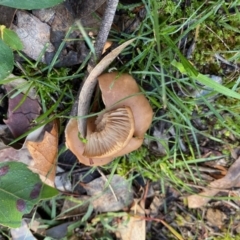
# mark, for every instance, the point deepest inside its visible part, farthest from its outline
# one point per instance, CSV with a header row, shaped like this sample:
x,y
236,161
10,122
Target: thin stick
x,y
104,29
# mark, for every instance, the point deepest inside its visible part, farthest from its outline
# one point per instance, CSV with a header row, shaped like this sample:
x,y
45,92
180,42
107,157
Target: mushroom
x,y
119,129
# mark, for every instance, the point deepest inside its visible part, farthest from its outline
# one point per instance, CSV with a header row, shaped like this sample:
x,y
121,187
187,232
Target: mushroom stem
x,y
105,132
89,85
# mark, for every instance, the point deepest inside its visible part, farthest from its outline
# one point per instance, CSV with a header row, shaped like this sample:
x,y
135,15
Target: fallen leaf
x,y
232,179
216,217
44,155
6,137
22,110
82,9
37,141
10,154
35,225
107,45
22,232
134,227
155,206
34,34
111,194
62,181
15,82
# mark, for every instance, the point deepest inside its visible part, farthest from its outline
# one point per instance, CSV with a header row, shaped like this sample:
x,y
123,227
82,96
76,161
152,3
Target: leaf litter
x,y
44,154
103,193
230,180
110,193
22,109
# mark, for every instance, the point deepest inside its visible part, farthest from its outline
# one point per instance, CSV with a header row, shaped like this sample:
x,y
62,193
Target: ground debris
x,y
215,217
133,227
34,34
229,181
110,193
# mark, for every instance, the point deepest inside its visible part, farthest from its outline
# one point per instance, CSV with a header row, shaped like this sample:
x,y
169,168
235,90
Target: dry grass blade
x,y
171,229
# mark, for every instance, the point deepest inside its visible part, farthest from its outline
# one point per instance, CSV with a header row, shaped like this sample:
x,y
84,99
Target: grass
x,y
167,73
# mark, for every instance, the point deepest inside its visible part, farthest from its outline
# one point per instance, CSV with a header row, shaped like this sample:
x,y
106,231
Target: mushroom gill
x,y
113,131
120,130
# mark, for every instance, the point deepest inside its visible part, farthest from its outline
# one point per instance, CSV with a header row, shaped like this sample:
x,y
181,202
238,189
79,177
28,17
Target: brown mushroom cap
x,y
124,88
113,131
77,147
125,105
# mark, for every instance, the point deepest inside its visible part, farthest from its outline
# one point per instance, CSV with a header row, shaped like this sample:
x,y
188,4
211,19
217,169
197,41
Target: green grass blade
x,y
206,81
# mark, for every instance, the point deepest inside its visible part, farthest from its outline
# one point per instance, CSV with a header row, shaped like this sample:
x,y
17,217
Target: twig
x,y
89,86
104,30
219,57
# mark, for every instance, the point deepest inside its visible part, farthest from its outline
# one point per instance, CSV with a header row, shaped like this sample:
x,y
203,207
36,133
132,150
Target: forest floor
x,y
182,182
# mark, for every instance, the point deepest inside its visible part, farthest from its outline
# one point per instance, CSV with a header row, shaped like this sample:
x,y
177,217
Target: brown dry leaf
x,y
44,154
232,179
216,217
22,111
133,228
111,194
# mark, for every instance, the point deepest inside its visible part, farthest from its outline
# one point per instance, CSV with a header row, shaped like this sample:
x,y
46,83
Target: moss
x,y
219,33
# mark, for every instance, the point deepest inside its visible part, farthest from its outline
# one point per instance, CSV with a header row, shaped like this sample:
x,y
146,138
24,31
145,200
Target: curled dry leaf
x,y
44,155
232,179
111,194
119,129
107,45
